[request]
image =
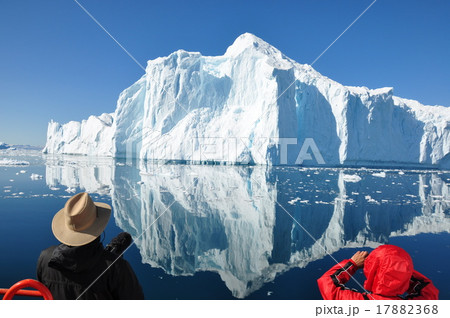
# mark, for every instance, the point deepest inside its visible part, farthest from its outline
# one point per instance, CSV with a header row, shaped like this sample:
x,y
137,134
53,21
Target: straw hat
x,y
81,220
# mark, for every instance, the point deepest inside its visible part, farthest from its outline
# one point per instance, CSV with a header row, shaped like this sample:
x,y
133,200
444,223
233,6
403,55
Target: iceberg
x,y
254,105
90,137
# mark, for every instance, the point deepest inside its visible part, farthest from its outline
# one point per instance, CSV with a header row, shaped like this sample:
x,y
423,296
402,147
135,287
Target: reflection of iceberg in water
x,y
94,175
225,219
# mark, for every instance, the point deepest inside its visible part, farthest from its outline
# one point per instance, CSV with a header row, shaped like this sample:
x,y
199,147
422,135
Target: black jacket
x,y
68,271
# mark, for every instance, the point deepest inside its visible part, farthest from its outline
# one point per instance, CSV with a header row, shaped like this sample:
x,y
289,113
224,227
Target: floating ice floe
x,y
379,174
71,190
351,178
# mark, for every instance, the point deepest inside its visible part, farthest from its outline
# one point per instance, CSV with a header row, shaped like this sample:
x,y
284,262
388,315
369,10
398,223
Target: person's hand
x,y
359,258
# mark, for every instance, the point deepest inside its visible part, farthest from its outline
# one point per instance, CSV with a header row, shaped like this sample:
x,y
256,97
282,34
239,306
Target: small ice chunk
x,y
71,190
292,202
23,171
371,200
381,174
351,178
35,176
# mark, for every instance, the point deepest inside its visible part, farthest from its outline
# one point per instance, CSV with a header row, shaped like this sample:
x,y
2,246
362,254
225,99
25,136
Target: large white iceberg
x,y
255,105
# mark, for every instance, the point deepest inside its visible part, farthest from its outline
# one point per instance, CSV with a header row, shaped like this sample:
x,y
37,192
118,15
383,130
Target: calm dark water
x,y
220,232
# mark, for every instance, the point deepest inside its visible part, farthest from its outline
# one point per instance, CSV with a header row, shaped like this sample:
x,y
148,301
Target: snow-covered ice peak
x,y
245,41
250,44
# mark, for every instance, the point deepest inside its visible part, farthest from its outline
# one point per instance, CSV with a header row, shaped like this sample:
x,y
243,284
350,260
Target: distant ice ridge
x,y
13,162
226,108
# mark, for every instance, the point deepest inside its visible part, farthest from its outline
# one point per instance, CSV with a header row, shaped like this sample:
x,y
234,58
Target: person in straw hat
x,y
80,267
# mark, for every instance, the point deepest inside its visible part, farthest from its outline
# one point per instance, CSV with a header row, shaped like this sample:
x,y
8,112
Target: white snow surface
x,y
196,108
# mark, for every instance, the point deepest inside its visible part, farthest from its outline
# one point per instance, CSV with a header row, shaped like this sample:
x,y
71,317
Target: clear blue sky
x,y
56,63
